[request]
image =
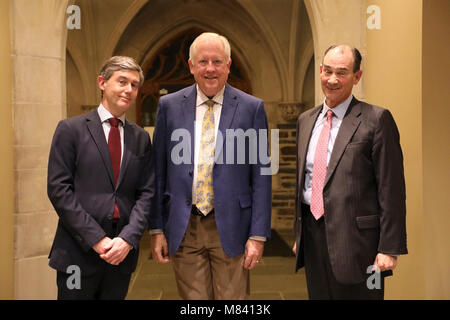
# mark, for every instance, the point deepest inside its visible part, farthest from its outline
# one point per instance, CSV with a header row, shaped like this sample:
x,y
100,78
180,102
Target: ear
x,y
229,64
191,66
320,68
357,77
101,82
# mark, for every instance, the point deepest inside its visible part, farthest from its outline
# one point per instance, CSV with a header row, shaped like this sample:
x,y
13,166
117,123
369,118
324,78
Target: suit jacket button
x,y
188,202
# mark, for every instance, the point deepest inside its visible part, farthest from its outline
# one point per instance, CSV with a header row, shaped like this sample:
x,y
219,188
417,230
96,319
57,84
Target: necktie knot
x,y
114,122
210,103
329,115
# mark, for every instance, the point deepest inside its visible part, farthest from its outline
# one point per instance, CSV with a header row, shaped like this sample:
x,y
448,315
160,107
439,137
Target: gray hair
x,y
210,36
121,63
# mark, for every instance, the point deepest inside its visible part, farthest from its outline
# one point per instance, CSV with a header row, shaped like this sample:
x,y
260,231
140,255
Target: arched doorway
x,y
168,71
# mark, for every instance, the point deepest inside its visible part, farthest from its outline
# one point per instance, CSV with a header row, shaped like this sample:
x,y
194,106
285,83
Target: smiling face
x,y
210,67
337,76
119,91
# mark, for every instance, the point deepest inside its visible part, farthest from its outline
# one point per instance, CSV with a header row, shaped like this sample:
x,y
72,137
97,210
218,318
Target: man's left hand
x,y
118,252
384,262
253,253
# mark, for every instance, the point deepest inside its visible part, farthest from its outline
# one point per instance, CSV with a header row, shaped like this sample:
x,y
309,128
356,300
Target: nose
x,y
128,87
332,79
210,66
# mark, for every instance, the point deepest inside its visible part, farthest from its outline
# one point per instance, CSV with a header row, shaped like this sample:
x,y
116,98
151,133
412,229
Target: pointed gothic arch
x,y
168,71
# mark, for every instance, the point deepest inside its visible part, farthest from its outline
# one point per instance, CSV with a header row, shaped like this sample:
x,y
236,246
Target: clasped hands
x,y
113,251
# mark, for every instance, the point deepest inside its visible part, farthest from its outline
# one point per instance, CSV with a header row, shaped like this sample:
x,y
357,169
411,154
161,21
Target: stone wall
x,y
38,102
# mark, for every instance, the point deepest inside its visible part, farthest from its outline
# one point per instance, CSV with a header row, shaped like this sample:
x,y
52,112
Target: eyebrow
x,y
125,78
339,68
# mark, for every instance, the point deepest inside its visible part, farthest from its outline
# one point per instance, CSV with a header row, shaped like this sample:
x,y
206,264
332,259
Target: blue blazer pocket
x,y
368,222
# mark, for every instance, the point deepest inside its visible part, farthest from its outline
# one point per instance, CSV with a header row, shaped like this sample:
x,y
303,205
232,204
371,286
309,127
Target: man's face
x,y
119,91
337,76
210,68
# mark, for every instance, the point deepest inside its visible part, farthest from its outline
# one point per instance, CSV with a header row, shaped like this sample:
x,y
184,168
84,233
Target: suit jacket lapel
x,y
128,145
348,127
305,133
98,135
230,102
188,109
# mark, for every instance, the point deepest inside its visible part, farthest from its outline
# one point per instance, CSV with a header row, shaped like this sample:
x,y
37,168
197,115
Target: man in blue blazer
x,y
100,182
211,222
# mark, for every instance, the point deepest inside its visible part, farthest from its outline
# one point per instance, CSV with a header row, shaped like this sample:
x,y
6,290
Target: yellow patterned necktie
x,y
204,192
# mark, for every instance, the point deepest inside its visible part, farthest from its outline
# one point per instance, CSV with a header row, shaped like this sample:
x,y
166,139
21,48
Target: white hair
x,y
210,36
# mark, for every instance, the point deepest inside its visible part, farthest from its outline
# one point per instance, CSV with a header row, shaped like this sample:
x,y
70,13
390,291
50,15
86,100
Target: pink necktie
x,y
320,168
115,150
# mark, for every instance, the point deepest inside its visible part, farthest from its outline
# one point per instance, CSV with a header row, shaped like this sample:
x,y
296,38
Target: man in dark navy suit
x,y
100,182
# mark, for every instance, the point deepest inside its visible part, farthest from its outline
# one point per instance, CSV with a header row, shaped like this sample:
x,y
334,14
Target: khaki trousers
x,y
202,269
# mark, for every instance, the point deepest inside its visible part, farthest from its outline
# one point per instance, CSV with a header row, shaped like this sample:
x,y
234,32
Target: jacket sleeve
x,y
388,165
261,179
159,159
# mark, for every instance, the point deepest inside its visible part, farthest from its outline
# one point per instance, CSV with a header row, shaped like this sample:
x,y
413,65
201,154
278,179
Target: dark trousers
x,y
321,283
107,283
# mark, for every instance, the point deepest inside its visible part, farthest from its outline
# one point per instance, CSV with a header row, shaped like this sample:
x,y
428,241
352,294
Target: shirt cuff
x,y
155,231
258,238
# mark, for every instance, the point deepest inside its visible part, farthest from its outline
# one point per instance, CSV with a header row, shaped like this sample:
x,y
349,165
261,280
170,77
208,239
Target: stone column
x,y
38,101
337,22
283,190
6,160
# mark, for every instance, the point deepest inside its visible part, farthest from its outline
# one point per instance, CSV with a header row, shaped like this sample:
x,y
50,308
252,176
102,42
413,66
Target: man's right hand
x,y
160,250
103,245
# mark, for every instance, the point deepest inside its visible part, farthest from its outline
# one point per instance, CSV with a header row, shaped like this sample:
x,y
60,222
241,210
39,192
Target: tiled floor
x,y
272,279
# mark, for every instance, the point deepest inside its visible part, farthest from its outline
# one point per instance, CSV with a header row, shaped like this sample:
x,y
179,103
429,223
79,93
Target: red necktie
x,y
115,150
320,168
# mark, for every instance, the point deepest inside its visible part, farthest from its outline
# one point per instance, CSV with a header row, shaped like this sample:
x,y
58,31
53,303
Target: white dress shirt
x,y
338,115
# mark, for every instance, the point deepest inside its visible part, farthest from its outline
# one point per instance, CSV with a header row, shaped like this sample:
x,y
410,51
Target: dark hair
x,y
357,58
121,63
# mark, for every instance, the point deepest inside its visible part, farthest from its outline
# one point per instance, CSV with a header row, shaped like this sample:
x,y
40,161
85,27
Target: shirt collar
x,y
105,114
202,98
340,110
